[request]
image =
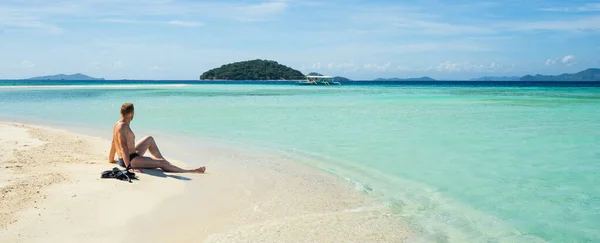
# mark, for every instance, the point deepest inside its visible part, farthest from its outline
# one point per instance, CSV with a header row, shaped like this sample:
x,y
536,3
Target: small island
x,y
71,77
590,74
253,70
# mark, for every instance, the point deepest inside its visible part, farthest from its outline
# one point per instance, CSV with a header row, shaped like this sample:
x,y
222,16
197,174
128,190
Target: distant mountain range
x,y
341,79
591,74
77,76
336,78
503,78
405,79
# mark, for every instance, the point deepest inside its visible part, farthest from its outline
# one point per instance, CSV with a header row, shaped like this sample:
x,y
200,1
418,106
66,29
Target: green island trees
x,y
253,70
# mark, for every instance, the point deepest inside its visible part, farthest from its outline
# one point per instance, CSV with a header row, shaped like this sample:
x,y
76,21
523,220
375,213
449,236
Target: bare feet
x,y
112,161
200,170
137,170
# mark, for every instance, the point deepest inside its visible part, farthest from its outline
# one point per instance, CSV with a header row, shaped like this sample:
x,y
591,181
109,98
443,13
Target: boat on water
x,y
318,80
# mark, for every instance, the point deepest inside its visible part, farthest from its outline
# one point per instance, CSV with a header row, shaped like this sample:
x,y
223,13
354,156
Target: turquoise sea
x,y
475,161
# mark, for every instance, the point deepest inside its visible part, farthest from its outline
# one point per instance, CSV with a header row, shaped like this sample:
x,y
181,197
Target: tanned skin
x,y
123,144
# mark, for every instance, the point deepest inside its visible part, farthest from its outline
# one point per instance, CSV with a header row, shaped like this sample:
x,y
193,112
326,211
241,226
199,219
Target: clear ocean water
x,y
477,162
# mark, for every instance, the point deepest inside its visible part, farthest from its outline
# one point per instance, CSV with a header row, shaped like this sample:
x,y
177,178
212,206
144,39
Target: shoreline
x,y
242,193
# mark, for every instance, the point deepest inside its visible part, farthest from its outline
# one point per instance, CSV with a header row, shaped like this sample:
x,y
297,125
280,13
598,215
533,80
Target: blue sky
x,y
180,39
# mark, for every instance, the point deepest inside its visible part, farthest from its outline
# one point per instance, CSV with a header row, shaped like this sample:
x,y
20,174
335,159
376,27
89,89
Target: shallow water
x,y
461,163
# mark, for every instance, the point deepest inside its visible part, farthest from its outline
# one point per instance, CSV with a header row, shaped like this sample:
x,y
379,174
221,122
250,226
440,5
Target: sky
x,y
181,39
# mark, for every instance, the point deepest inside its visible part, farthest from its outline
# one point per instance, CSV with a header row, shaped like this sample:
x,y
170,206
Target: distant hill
x,y
591,74
503,78
77,76
336,78
405,79
253,70
341,79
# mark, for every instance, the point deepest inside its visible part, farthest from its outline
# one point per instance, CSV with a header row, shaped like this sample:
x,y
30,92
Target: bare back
x,y
122,129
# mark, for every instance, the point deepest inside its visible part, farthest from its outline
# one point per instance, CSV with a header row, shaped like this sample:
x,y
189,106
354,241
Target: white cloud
x,y
388,67
347,67
467,67
449,67
186,23
14,19
258,12
569,60
441,28
45,14
409,22
403,68
590,7
551,61
440,46
427,69
25,64
96,65
121,21
156,68
591,23
135,21
118,65
378,68
340,67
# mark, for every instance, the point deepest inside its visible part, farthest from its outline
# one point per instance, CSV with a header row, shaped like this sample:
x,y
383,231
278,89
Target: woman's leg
x,y
142,162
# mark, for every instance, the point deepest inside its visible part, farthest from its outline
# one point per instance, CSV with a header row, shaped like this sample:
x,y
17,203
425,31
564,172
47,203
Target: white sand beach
x,y
52,192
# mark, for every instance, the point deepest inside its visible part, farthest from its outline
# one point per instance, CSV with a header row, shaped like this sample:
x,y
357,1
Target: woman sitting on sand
x,y
131,155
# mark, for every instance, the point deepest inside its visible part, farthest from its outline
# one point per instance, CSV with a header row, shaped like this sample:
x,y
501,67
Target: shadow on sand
x,y
160,173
